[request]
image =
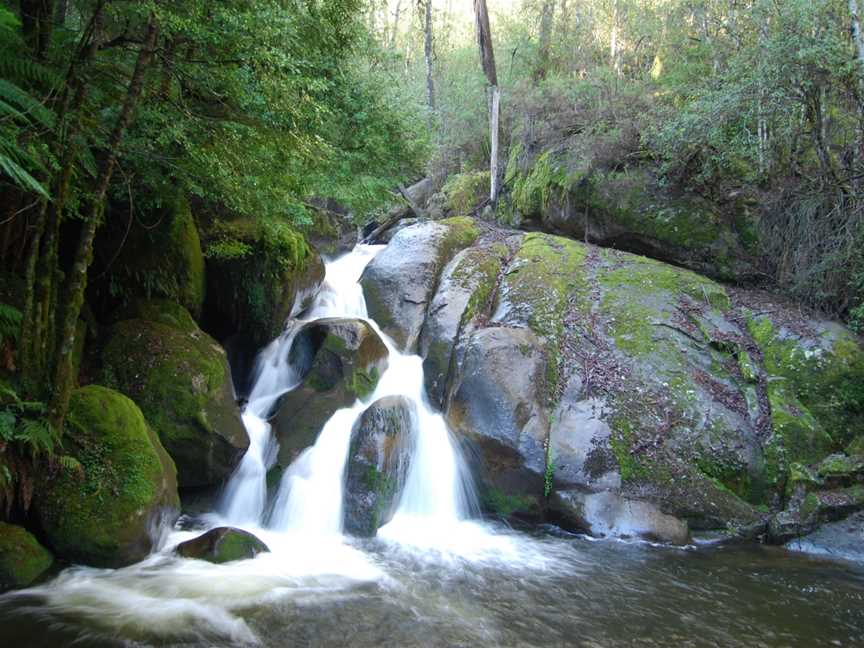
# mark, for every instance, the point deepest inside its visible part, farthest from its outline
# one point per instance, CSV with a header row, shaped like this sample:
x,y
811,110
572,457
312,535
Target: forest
x,y
624,243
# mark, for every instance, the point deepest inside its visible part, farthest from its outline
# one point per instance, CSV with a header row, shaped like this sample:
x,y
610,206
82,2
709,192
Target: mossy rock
x,y
378,462
340,360
222,545
819,367
22,558
162,311
258,275
162,260
466,191
463,298
102,514
629,210
182,382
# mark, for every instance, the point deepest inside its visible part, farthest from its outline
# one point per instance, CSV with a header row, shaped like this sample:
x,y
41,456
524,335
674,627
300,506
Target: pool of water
x,y
488,586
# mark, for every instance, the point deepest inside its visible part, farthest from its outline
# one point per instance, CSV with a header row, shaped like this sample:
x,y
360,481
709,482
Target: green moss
x,y
496,501
749,370
531,191
163,311
22,558
181,381
100,515
362,383
856,447
462,231
466,190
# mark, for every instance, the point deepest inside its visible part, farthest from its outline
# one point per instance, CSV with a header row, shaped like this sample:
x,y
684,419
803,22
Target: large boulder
x,y
377,464
339,360
222,545
648,389
158,256
632,210
104,512
400,281
180,379
258,275
466,286
498,406
22,558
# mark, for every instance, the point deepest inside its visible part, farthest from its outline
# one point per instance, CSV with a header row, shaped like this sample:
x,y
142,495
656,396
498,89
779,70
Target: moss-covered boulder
x,y
631,210
258,275
22,558
103,513
400,281
222,545
181,380
378,460
154,256
466,286
338,361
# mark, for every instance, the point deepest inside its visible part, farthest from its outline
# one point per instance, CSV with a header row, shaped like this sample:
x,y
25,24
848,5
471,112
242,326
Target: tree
x,y
427,52
487,62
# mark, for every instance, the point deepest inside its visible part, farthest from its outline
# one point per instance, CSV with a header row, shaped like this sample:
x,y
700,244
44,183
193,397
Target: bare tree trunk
x,y
614,47
394,33
858,40
427,52
64,377
487,62
37,24
546,16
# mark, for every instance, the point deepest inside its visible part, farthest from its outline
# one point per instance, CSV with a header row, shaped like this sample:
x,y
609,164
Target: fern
x,y
70,464
10,322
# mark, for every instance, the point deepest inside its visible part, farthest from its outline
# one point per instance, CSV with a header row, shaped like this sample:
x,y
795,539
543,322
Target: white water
x,y
310,559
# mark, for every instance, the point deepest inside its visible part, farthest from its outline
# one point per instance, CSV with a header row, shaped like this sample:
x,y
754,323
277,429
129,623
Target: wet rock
x,y
332,232
606,514
102,512
340,360
377,464
22,558
841,539
463,296
180,379
497,406
399,282
222,545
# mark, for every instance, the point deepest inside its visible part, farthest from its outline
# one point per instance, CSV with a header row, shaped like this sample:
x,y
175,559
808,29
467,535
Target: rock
x,y
464,294
497,405
258,276
164,261
388,234
340,360
22,558
162,311
608,515
842,539
332,231
806,510
421,191
103,514
181,381
630,210
222,545
377,464
399,282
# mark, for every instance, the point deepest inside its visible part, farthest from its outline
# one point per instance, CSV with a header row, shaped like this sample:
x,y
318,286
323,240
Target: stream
x,y
436,574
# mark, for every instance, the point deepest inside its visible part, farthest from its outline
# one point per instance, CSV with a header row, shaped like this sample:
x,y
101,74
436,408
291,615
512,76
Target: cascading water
x,y
437,490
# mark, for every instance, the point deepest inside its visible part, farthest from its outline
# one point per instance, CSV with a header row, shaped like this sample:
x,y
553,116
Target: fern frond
x,y
30,108
70,464
11,167
37,435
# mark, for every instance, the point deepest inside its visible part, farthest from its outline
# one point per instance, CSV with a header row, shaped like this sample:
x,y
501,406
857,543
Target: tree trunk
x,y
37,23
64,377
487,61
427,52
395,31
546,16
858,40
614,47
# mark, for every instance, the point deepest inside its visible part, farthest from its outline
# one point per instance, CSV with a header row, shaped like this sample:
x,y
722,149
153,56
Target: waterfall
x,y
437,490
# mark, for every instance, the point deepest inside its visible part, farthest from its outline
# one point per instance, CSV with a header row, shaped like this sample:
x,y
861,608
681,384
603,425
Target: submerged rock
x,y
400,281
181,380
377,464
842,539
607,514
222,545
22,558
103,513
339,360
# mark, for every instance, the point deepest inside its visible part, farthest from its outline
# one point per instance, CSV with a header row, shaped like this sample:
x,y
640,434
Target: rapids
x,y
435,574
